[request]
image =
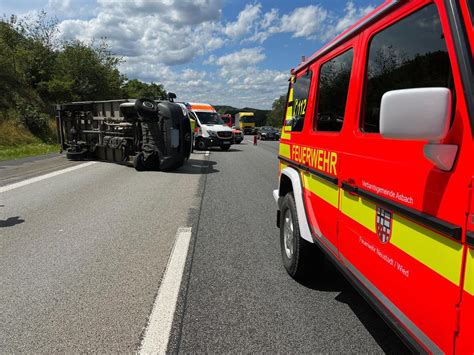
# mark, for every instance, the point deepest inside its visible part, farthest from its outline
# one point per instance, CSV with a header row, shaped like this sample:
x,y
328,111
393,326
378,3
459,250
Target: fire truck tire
x,y
139,162
225,147
238,142
299,256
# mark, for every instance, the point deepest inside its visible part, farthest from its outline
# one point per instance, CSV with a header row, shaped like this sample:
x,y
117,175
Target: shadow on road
x,y
231,150
331,280
10,222
196,166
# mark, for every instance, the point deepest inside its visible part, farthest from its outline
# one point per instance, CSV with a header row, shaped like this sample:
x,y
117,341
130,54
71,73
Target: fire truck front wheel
x,y
299,256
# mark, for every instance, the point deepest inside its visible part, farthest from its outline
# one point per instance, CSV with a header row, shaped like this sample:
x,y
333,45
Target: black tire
x,y
146,108
76,155
201,144
139,162
304,256
238,142
225,147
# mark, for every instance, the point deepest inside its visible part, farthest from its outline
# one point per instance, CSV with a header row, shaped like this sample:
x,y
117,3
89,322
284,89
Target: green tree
x,y
137,89
84,72
275,116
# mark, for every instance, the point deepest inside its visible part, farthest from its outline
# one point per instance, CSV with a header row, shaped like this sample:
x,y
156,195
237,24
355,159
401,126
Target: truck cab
x,y
245,121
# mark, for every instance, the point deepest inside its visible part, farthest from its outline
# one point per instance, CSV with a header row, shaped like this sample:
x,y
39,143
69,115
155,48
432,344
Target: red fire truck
x,y
376,168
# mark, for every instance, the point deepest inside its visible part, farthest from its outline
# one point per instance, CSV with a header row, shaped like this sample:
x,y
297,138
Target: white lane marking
x,y
207,153
249,141
43,177
159,324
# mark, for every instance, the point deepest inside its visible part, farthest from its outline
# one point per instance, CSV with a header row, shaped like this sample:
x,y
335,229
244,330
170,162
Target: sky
x,y
224,52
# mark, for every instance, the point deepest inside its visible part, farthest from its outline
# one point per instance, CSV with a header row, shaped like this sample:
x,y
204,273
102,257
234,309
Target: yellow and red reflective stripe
x,y
432,249
469,275
286,130
321,188
285,150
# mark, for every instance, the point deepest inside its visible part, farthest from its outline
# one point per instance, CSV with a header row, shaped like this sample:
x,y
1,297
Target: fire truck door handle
x,y
346,186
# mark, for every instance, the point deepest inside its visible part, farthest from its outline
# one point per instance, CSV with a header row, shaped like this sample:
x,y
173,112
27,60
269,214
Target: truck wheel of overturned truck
x,y
139,162
76,155
201,144
225,147
170,166
299,256
146,108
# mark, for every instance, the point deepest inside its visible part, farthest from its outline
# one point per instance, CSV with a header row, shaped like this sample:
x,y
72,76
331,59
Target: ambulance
x,y
376,168
211,129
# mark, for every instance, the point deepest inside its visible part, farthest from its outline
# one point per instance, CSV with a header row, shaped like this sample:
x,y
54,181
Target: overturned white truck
x,y
148,134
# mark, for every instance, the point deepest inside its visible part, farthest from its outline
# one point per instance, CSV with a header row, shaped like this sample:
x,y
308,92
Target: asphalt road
x,y
83,253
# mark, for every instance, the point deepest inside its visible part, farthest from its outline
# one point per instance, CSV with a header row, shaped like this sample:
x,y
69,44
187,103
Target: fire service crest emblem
x,y
384,224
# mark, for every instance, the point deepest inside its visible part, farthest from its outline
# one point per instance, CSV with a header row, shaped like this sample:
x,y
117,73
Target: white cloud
x,y
244,80
312,22
156,36
351,15
245,21
167,32
242,58
304,21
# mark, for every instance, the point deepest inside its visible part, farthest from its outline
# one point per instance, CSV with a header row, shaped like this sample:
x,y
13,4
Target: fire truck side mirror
x,y
416,114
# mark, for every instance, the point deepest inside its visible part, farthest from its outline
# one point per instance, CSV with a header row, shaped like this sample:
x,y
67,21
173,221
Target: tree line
x,y
38,70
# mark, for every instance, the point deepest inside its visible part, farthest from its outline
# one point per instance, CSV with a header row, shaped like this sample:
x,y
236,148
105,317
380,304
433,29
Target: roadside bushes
x,y
36,122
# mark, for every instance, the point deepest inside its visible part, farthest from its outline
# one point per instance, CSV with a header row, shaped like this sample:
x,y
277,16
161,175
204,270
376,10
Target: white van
x,y
211,129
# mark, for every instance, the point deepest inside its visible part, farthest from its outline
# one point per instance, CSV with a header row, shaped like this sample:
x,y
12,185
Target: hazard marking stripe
x,y
469,278
285,134
361,211
321,188
286,130
435,251
285,150
432,249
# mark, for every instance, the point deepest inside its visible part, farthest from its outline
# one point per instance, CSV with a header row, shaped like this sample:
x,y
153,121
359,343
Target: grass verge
x,y
18,142
26,150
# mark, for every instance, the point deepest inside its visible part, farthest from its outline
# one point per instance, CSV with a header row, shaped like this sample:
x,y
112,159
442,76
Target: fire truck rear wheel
x,y
225,147
299,256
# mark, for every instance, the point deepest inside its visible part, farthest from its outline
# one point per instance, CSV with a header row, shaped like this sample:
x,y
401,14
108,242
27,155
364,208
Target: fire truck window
x,y
334,77
409,54
300,100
